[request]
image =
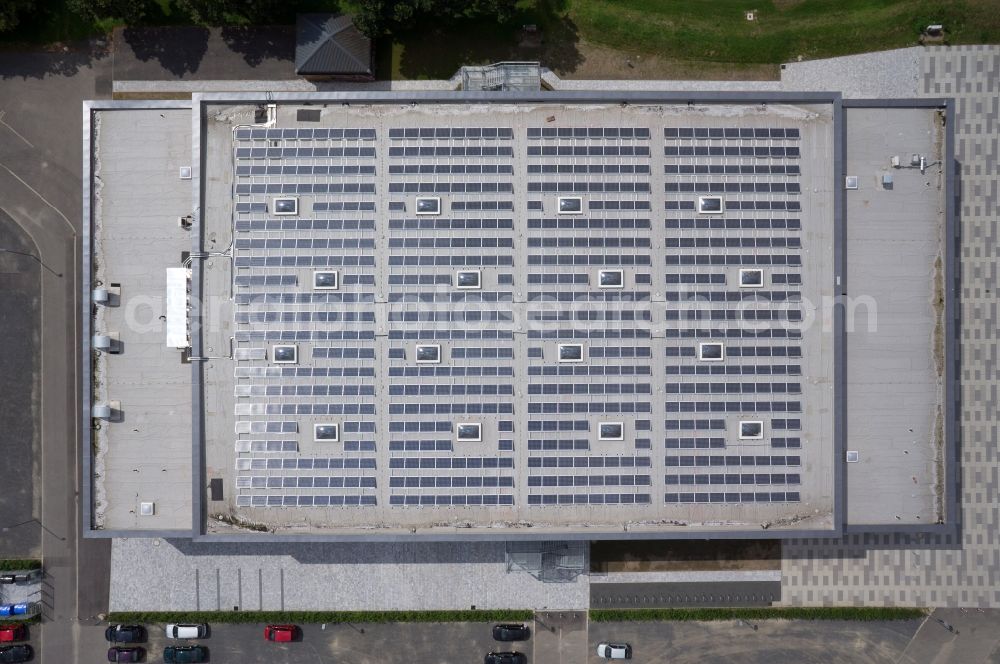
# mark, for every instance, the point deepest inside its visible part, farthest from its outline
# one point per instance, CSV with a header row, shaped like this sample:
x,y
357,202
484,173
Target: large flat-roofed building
x,y
520,315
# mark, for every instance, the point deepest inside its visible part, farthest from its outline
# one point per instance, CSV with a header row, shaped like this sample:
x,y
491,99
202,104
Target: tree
x,y
377,16
228,12
130,11
10,11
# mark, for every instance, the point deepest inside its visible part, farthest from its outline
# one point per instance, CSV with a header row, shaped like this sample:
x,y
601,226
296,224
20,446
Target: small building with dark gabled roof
x,y
330,46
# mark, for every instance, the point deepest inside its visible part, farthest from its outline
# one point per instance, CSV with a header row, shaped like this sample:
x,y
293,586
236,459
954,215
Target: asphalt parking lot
x,y
428,643
945,637
774,641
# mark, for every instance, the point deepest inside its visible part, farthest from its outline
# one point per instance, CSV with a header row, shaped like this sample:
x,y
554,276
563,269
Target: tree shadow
x,y
58,60
257,44
178,50
432,49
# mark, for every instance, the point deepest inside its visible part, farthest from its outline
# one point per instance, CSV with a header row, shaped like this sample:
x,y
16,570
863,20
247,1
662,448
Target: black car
x,y
19,653
185,654
506,658
511,632
125,634
125,654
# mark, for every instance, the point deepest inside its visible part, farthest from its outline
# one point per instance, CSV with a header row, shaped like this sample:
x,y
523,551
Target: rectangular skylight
x,y
711,205
571,352
326,432
570,205
751,278
427,354
468,279
851,182
751,429
711,352
611,279
428,205
471,432
611,431
326,280
286,206
285,354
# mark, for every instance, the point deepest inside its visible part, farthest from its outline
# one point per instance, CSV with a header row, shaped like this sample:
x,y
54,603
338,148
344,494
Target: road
x,y
40,177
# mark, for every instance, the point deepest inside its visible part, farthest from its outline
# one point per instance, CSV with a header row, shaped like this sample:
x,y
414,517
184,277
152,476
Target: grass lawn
x,y
717,30
712,33
621,38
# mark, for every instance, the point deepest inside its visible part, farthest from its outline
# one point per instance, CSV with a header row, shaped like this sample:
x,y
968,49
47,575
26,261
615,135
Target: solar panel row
x,y
453,166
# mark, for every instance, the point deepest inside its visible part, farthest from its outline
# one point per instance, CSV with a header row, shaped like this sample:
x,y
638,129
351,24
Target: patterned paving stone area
x,y
942,571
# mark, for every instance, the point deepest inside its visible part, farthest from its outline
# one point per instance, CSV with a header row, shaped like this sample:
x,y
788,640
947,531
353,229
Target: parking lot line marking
x,y
44,200
2,115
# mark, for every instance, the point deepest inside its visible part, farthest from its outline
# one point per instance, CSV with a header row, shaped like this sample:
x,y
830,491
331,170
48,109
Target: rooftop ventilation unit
x,y
147,509
103,342
101,411
101,296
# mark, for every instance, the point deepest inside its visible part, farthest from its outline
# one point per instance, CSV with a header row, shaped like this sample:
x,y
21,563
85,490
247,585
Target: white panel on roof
x,y
177,285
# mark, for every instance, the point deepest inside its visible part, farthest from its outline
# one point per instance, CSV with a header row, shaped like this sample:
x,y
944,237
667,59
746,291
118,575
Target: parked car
x,y
10,633
125,633
185,654
282,633
614,650
22,652
511,632
506,658
186,631
19,577
20,609
125,654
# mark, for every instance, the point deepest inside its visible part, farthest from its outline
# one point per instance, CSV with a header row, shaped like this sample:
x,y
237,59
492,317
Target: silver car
x,y
614,650
189,631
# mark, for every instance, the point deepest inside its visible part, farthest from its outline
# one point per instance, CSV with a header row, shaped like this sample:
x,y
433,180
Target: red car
x,y
283,633
12,633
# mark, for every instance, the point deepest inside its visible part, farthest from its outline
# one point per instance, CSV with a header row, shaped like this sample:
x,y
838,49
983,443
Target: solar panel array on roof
x,y
513,315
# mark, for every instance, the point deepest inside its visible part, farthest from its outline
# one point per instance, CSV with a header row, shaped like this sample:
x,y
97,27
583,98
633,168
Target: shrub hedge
x,y
790,613
19,564
145,617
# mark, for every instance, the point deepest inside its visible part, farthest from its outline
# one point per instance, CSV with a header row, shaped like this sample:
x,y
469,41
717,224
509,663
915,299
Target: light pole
x,y
24,523
33,257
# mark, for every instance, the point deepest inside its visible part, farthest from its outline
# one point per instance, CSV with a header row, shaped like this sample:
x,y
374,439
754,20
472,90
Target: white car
x,y
186,631
614,651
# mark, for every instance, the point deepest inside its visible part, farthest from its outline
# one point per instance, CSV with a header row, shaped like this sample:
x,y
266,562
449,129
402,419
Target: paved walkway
x,y
942,571
177,575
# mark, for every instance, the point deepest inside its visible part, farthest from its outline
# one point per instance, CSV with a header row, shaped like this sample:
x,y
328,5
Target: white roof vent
x,y
101,295
101,411
147,509
102,342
